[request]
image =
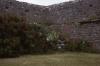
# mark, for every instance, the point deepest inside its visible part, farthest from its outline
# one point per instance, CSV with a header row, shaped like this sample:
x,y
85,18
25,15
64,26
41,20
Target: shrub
x,y
19,37
79,45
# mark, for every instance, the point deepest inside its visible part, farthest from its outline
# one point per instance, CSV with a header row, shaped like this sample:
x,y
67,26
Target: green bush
x,y
18,37
79,45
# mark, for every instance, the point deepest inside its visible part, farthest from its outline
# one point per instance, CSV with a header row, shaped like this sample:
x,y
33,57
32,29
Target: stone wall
x,y
33,13
70,14
74,11
91,31
65,17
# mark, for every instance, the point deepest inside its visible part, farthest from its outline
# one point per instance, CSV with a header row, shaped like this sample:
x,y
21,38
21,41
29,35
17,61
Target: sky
x,y
44,2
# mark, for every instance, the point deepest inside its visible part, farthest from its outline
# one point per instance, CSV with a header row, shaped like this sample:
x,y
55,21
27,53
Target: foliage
x,y
79,45
18,37
52,36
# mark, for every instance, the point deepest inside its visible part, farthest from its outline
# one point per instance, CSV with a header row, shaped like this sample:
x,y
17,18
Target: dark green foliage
x,y
72,45
79,45
9,34
17,37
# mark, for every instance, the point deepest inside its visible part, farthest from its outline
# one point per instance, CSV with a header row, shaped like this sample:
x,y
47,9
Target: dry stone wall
x,y
65,17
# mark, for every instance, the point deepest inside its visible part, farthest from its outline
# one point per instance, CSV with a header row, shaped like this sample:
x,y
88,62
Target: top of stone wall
x,y
73,11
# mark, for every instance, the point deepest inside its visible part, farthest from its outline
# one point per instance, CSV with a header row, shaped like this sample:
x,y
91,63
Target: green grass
x,y
64,59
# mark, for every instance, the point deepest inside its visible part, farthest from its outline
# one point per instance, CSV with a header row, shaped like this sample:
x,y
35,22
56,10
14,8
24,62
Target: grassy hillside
x,y
66,59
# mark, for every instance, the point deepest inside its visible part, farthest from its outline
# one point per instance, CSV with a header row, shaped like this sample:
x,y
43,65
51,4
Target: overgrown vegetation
x,y
79,45
17,37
